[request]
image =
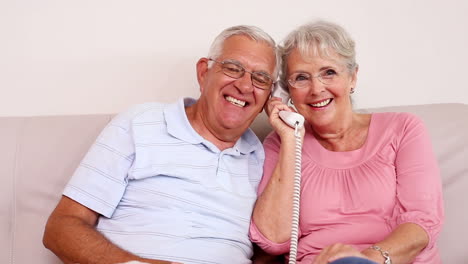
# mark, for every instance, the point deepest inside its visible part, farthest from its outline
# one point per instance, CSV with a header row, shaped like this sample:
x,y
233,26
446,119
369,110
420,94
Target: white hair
x,y
252,32
319,38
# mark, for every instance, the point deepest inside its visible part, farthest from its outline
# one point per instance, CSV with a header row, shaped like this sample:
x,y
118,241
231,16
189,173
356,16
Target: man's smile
x,y
235,101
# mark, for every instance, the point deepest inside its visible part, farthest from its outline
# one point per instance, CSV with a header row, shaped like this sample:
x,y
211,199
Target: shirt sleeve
x,y
100,180
271,145
419,191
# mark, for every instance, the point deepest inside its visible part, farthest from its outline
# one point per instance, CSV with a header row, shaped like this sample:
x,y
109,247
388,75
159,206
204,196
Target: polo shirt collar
x,y
177,122
179,126
248,142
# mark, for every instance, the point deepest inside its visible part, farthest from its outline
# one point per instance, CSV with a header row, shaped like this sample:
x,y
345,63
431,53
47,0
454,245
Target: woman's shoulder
x,y
397,124
395,119
272,139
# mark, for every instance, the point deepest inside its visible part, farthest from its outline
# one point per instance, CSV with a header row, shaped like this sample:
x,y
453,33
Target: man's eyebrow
x,y
263,73
234,61
238,63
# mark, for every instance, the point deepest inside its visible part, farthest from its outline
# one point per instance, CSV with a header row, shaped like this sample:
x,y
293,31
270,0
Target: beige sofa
x,y
38,155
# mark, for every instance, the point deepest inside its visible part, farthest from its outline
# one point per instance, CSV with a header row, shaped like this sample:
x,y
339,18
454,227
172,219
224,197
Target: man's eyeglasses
x,y
233,69
301,80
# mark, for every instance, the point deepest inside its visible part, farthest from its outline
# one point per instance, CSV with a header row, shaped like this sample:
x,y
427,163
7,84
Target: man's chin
x,y
241,125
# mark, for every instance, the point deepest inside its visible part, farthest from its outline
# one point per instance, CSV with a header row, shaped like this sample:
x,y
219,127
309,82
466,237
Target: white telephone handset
x,y
296,121
290,118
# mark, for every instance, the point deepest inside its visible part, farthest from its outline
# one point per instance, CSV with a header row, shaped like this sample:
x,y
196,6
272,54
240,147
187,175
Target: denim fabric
x,y
353,260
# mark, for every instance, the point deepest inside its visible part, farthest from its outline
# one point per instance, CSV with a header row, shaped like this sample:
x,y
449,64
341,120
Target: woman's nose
x,y
316,86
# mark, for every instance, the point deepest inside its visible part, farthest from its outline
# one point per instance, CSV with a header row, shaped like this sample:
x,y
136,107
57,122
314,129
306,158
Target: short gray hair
x,y
252,32
317,38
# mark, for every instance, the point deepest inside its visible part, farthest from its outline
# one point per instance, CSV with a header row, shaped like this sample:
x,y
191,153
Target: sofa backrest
x,y
39,154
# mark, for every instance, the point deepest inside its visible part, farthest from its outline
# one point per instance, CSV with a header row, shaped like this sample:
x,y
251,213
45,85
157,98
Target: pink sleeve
x,y
272,146
419,191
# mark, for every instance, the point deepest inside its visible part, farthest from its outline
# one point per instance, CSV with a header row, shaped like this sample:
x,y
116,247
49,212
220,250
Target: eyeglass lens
x,y
304,80
233,70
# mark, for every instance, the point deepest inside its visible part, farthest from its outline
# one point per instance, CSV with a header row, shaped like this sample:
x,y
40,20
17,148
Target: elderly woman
x,y
370,182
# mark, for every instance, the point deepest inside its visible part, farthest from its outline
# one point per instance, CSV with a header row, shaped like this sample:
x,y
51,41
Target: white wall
x,y
101,56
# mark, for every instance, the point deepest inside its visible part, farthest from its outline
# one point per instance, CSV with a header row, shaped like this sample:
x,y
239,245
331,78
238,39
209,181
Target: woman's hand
x,y
272,108
336,251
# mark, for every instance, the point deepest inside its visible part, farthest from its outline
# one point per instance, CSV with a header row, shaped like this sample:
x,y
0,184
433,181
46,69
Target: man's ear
x,y
202,70
266,102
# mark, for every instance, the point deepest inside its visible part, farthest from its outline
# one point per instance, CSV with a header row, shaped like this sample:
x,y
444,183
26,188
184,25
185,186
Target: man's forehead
x,y
247,50
240,41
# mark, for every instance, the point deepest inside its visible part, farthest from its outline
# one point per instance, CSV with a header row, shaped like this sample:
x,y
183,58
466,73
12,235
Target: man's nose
x,y
244,83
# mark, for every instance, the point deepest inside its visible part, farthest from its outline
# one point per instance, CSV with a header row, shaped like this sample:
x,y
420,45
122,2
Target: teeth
x,y
323,103
235,101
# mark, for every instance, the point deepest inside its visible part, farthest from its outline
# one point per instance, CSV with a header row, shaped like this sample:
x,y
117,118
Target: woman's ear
x,y
202,70
354,76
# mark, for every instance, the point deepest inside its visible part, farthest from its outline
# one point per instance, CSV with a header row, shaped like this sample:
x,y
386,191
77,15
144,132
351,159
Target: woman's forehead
x,y
315,56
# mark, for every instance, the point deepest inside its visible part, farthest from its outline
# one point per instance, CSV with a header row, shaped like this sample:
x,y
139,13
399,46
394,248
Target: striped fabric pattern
x,y
166,193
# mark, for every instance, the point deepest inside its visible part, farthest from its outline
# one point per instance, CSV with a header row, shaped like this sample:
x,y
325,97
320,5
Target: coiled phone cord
x,y
296,197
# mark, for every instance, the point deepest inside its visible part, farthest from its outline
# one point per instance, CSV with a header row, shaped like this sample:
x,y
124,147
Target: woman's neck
x,y
346,135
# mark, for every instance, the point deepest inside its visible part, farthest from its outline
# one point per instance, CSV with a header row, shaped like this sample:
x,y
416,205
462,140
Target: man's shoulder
x,y
140,113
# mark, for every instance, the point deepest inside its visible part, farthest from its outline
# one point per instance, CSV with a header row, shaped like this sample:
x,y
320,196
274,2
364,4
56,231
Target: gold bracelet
x,y
384,253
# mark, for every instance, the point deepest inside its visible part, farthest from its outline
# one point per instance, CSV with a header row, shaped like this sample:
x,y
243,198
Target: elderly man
x,y
176,182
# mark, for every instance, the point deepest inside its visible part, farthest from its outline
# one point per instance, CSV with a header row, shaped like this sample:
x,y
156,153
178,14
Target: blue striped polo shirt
x,y
164,192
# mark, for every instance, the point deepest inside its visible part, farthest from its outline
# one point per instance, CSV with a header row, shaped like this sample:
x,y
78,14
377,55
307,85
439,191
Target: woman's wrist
x,y
377,254
373,255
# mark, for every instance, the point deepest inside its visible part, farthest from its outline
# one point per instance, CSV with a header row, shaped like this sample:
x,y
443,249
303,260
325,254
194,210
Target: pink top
x,y
358,197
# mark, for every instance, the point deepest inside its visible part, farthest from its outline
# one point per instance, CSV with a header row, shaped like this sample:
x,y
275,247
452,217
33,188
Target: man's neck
x,y
221,138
